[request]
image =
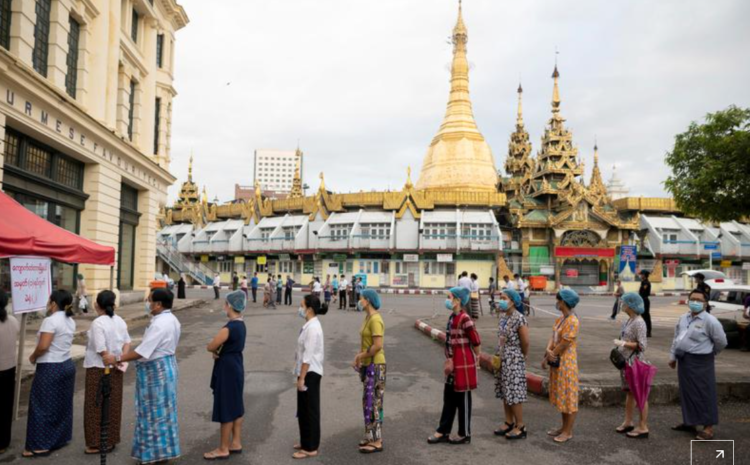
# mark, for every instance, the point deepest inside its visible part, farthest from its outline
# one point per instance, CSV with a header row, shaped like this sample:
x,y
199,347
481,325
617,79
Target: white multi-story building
x,y
275,169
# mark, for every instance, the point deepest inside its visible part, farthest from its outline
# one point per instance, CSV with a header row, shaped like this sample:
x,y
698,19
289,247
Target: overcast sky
x,y
363,84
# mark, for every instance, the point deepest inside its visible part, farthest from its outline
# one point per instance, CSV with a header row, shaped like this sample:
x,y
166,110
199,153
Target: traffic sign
x,y
710,246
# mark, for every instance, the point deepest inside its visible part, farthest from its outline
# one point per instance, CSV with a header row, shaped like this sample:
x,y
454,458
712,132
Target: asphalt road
x,y
412,402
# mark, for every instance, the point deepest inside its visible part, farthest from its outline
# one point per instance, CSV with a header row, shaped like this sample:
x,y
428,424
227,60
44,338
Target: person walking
x,y
254,286
632,343
308,369
217,285
50,417
268,295
528,310
181,287
279,289
235,280
289,287
700,285
157,428
81,301
698,338
462,349
358,288
228,378
243,287
619,292
645,292
507,283
370,362
474,294
343,285
9,328
335,287
561,357
512,349
108,334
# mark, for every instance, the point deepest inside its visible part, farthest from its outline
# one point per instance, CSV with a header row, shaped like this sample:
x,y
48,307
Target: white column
x,y
22,20
57,65
149,202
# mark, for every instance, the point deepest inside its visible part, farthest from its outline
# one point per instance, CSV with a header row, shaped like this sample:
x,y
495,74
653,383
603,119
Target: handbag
x,y
554,363
617,359
497,363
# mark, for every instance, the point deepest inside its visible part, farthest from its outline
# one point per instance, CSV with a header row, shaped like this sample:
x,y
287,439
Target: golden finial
x,y
409,184
556,90
190,167
596,153
322,182
519,118
204,195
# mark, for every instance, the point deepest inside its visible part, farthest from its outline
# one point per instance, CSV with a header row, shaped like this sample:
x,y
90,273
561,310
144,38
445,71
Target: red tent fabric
x,y
24,233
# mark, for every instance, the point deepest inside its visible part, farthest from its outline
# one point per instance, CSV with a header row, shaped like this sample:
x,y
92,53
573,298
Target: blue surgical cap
x,y
237,300
634,302
372,297
515,297
462,294
570,297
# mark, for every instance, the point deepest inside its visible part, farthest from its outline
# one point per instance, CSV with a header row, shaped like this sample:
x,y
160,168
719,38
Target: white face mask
x,y
301,312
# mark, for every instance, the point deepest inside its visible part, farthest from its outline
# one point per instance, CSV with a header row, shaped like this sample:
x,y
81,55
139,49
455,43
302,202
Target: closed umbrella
x,y
639,376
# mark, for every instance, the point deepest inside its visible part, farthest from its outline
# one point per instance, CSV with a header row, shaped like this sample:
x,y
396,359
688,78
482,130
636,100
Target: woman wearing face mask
x,y
698,337
308,369
50,419
512,348
632,343
462,349
370,362
562,358
228,377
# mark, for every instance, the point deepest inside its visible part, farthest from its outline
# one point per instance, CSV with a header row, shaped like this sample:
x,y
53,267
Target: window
x,y
157,117
27,155
160,50
440,230
134,26
38,161
11,149
41,36
69,173
131,110
340,231
434,268
5,23
129,198
71,79
225,266
369,267
669,238
480,232
266,233
376,230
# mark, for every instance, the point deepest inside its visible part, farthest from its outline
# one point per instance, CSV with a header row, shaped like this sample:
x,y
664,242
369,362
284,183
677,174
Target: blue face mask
x,y
504,305
359,307
449,304
148,308
695,306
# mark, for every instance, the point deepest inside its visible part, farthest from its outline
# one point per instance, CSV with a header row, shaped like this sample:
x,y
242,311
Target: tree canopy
x,y
710,165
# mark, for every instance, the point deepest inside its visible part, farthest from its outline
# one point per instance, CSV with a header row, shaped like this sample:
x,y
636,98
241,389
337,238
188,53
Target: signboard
x,y
333,268
308,267
672,263
400,280
726,263
575,252
571,273
746,266
711,246
364,278
628,255
204,258
285,257
444,257
31,283
239,260
715,254
262,260
547,270
411,257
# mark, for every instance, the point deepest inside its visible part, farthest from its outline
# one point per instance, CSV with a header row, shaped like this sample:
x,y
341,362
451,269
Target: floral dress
x,y
633,331
563,381
510,381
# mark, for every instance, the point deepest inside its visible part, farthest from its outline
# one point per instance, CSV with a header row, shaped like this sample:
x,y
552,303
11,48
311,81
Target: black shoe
x,y
503,432
437,440
464,440
521,435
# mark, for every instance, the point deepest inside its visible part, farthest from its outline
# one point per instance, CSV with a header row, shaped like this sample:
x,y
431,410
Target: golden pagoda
x,y
596,185
296,191
459,159
189,191
519,165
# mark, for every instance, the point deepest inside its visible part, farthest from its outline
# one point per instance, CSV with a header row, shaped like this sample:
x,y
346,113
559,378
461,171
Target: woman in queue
x,y
370,362
512,349
228,378
50,418
308,369
632,343
561,357
9,329
108,334
462,349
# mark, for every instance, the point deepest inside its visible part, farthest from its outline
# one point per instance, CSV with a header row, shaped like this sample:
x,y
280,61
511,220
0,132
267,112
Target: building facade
x,y
274,171
85,119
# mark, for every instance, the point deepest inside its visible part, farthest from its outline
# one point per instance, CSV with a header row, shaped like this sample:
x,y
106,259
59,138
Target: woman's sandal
x,y
370,449
503,432
214,456
635,435
704,436
31,454
554,432
624,430
560,440
437,439
521,434
303,454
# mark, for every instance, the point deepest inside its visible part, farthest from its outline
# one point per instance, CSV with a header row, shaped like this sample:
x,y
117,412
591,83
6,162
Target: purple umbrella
x,y
639,376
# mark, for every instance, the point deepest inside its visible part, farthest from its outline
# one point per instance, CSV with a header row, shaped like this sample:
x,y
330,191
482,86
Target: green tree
x,y
711,167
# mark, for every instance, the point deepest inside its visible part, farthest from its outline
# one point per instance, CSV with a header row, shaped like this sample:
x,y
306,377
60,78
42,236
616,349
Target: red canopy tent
x,y
24,233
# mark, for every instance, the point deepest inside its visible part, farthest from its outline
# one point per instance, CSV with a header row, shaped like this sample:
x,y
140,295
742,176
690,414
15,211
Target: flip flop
x,y
301,454
212,456
235,451
704,436
624,430
370,449
562,441
554,432
30,454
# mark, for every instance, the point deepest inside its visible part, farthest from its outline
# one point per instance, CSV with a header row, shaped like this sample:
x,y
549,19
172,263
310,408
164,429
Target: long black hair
x,y
106,301
3,304
64,301
313,302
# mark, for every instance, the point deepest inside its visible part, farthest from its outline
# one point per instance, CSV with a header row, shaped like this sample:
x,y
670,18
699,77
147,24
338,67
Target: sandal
x,y
704,436
437,439
554,432
215,456
32,454
561,440
684,427
624,430
503,432
370,449
235,451
521,434
303,454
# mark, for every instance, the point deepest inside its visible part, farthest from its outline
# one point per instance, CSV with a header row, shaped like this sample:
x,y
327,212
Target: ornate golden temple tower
x,y
189,191
519,165
459,158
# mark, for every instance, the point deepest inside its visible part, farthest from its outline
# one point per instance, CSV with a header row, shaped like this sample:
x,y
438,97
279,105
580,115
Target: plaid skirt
x,y
92,408
50,422
157,431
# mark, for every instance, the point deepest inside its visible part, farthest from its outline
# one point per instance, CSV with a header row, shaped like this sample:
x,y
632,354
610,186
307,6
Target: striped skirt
x,y
50,421
157,431
474,309
92,411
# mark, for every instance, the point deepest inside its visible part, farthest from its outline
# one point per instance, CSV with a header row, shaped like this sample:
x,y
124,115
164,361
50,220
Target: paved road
x,y
412,402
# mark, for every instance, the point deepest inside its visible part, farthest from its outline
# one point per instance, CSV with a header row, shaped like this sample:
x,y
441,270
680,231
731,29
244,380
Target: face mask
x,y
359,307
695,306
148,308
504,305
301,312
449,304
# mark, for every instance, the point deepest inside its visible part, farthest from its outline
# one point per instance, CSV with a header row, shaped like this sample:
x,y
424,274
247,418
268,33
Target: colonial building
x,y
85,119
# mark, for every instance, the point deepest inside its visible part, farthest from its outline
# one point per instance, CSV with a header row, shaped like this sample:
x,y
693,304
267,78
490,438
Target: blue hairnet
x,y
237,300
515,297
462,294
372,297
634,302
570,297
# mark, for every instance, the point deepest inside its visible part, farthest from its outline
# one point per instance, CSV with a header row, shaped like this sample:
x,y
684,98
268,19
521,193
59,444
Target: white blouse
x,y
63,329
310,348
108,334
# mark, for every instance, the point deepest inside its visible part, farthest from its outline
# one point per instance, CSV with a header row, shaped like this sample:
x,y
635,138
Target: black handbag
x,y
617,359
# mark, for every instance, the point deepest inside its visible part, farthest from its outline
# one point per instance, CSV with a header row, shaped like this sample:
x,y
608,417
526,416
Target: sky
x,y
363,85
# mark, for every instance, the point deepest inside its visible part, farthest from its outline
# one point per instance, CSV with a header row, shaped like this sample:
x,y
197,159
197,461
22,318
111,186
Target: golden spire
x,y
297,181
408,184
190,167
322,182
204,196
555,92
459,158
519,117
596,186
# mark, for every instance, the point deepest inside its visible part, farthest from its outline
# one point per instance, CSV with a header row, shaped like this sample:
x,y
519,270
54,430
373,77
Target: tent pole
x,y
19,367
111,278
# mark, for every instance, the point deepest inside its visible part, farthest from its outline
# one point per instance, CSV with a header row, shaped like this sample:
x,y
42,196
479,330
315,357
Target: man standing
x,y
645,292
157,430
279,287
288,290
700,284
507,283
254,286
217,285
464,281
235,281
343,284
619,291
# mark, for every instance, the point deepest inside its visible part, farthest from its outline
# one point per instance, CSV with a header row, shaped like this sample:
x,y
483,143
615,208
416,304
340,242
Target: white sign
x,y
746,266
333,268
411,257
31,283
445,257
